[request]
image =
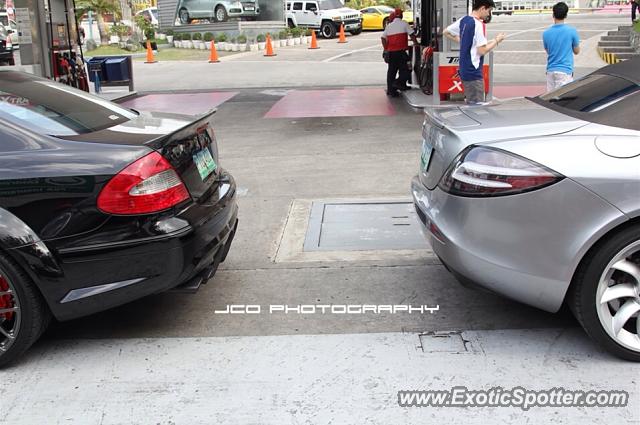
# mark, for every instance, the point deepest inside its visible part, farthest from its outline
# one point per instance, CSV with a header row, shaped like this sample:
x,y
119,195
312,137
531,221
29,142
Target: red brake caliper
x,y
5,300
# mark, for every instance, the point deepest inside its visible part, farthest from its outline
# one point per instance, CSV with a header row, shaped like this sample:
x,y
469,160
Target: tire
x,y
183,16
290,23
220,14
33,314
385,22
356,32
590,286
327,29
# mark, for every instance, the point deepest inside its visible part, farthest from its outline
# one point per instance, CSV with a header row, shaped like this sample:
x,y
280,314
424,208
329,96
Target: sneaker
x,y
402,87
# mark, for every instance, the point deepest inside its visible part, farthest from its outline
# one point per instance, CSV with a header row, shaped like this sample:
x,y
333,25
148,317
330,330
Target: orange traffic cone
x,y
343,38
150,58
269,47
314,41
213,57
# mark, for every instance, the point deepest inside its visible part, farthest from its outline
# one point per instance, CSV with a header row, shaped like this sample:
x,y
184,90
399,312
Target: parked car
x,y
217,10
538,199
377,17
150,14
101,205
325,16
6,47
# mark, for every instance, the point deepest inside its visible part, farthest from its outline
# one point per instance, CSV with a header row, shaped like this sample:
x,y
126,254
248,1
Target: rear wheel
x,y
605,295
328,30
23,313
385,22
356,32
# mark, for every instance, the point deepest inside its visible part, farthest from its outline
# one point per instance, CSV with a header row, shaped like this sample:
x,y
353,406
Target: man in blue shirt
x,y
561,42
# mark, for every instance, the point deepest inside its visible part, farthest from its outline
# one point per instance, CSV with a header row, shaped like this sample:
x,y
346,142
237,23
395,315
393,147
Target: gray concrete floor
x,y
171,359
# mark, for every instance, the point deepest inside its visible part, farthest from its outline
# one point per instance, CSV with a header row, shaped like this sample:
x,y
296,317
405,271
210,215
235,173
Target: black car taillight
x,y
481,171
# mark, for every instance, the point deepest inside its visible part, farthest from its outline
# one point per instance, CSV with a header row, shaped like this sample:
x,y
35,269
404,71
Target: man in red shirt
x,y
395,41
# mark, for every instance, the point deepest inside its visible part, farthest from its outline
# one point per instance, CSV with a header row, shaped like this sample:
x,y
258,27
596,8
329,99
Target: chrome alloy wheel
x,y
10,314
618,297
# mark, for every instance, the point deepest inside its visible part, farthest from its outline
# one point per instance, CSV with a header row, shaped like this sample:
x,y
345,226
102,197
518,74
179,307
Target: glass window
x,y
601,98
53,108
297,6
311,6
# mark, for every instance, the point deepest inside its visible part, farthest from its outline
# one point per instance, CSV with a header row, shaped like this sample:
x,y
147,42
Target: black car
x,y
6,47
101,205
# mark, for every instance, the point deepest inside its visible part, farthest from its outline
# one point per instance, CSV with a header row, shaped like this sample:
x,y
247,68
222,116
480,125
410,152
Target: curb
x,y
609,58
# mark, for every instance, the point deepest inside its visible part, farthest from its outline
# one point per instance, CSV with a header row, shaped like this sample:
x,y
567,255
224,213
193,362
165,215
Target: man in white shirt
x,y
471,33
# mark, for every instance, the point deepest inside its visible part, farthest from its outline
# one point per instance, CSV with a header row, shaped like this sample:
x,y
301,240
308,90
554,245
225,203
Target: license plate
x,y
248,8
205,163
425,158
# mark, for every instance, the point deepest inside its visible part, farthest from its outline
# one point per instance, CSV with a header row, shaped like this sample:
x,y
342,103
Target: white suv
x,y
323,15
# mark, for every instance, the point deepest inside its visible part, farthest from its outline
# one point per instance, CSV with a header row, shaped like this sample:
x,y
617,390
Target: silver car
x,y
538,199
217,10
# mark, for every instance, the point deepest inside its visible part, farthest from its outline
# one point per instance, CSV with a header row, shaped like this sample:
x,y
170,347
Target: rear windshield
x,y
600,98
55,109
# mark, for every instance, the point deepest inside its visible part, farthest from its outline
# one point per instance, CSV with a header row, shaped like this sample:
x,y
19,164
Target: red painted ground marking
x,y
185,103
332,103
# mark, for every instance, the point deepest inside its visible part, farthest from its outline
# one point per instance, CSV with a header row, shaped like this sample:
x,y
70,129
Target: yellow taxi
x,y
377,17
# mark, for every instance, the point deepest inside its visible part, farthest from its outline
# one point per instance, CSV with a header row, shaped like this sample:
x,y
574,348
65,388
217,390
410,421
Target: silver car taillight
x,y
481,171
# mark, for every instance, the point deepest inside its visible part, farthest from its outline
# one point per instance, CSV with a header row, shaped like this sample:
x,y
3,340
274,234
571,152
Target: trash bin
x,y
117,69
96,66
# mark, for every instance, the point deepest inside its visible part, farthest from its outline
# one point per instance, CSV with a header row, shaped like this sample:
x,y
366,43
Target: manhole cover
x,y
363,226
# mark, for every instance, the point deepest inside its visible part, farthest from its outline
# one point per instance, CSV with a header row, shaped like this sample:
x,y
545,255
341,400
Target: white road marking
x,y
350,52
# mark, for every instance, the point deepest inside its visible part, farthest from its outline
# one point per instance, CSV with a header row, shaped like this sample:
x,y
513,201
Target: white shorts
x,y
556,79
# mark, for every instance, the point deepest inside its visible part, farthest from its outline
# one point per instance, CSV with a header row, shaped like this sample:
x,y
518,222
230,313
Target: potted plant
x,y
307,36
221,39
208,38
234,44
262,41
170,35
197,40
253,45
242,42
186,41
282,35
296,33
290,41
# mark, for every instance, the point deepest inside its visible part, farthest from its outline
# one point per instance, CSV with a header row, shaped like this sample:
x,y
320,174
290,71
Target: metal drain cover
x,y
363,226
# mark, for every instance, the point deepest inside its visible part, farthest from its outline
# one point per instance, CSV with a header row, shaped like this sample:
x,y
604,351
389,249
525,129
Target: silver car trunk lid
x,y
448,131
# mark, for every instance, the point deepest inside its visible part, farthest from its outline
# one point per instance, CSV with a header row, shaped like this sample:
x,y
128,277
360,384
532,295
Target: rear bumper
x,y
524,246
99,278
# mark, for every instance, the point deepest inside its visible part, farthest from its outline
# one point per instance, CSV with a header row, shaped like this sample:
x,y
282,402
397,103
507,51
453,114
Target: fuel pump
x,y
436,59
